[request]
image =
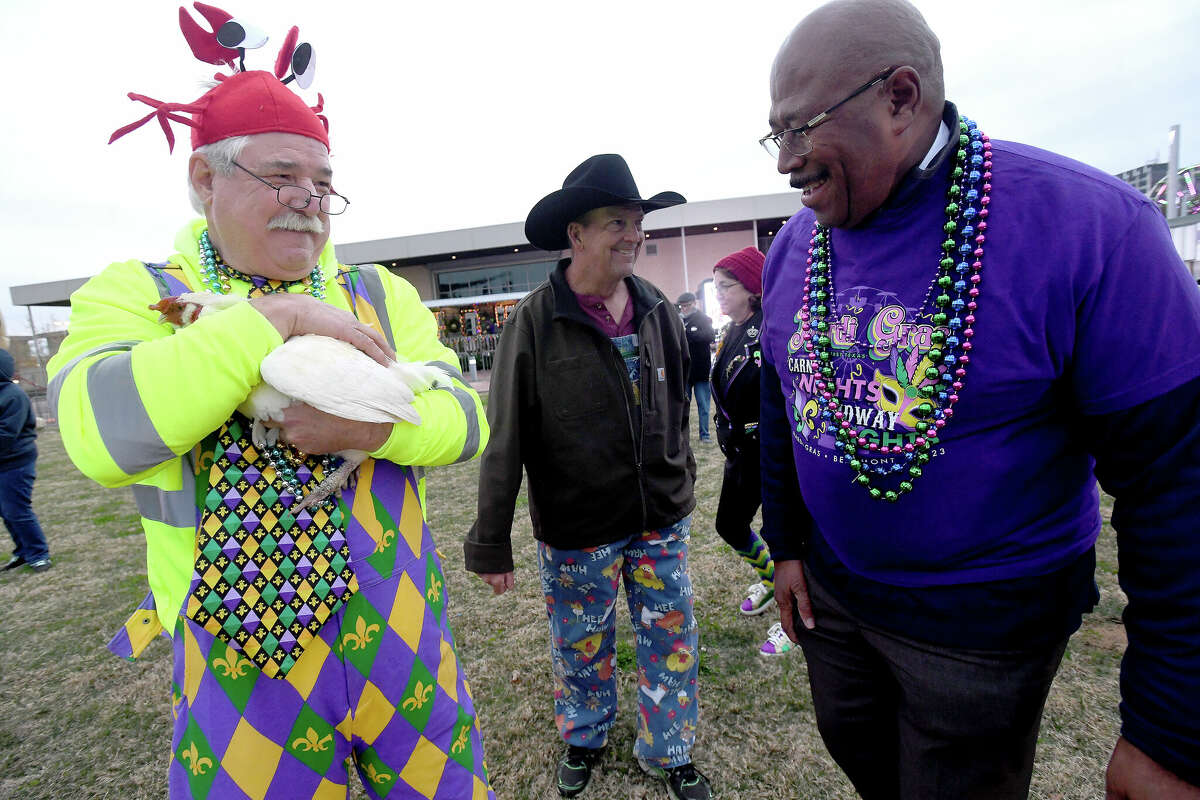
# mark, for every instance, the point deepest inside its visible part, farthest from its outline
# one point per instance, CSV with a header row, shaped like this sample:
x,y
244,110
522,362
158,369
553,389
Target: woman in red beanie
x,y
738,281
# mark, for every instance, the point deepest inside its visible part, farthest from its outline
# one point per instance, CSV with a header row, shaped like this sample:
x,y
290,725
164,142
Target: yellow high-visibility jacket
x,y
134,398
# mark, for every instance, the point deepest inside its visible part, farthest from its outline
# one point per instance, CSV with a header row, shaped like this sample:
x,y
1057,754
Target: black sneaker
x,y
684,782
575,769
12,563
41,565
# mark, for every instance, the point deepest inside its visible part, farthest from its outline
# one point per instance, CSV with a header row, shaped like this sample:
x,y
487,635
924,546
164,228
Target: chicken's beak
x,y
161,307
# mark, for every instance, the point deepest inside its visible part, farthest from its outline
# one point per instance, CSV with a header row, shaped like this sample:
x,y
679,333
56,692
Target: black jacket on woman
x,y
735,386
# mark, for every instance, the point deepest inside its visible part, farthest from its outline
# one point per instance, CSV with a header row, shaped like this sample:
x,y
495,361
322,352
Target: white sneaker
x,y
758,599
777,642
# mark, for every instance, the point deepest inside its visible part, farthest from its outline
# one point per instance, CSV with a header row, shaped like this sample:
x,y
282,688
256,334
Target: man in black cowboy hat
x,y
589,395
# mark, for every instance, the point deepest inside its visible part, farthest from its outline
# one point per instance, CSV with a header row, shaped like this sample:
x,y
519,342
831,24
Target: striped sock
x,y
759,557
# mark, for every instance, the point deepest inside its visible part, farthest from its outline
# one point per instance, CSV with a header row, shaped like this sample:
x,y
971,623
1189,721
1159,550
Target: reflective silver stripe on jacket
x,y
453,372
468,407
176,508
374,286
125,428
56,385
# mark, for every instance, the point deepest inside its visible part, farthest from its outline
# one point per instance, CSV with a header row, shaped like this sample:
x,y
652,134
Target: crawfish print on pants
x,y
581,599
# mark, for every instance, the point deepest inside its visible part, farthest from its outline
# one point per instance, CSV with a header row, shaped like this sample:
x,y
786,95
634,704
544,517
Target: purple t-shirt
x,y
1085,309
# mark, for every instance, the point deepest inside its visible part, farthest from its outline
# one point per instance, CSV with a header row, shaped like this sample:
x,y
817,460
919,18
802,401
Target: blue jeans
x,y
703,391
16,509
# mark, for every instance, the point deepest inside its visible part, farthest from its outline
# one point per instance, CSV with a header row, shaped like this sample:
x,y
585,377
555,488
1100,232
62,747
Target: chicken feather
x,y
338,378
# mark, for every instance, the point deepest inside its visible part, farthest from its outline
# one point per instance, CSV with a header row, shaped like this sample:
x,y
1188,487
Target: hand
x,y
1133,775
298,314
500,582
313,431
791,588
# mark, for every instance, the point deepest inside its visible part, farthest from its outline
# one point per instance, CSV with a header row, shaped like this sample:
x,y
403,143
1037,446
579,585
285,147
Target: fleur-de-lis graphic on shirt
x,y
377,777
434,593
197,763
460,742
361,636
312,743
420,696
233,665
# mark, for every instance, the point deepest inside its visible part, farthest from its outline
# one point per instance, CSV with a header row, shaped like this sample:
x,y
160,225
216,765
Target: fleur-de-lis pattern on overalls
x,y
344,699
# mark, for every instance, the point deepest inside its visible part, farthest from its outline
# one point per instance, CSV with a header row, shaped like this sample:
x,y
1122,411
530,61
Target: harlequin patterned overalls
x,y
379,686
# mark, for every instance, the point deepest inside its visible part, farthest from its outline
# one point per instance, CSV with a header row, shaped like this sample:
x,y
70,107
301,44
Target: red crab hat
x,y
242,103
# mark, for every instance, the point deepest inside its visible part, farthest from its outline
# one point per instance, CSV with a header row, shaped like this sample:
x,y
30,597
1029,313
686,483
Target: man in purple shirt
x,y
960,336
589,397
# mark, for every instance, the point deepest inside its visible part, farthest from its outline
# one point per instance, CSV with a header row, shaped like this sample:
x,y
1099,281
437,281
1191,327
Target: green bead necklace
x,y
957,286
216,274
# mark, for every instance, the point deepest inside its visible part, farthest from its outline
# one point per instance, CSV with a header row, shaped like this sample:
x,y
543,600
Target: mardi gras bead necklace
x,y
285,458
957,282
216,274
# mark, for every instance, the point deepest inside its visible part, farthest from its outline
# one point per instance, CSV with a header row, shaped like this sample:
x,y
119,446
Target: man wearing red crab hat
x,y
304,639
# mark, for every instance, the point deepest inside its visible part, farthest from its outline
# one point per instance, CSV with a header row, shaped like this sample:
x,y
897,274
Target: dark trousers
x,y
910,720
741,495
16,509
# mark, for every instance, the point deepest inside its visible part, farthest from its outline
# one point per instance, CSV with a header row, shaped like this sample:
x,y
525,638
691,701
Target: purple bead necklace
x,y
957,283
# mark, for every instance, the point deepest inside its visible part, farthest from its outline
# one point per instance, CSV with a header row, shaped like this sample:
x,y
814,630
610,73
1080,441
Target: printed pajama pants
x,y
581,598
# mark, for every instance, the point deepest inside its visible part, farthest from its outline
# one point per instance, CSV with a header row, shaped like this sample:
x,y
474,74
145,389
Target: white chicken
x,y
327,374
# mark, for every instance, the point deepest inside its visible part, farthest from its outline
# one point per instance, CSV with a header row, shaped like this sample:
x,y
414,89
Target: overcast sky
x,y
448,115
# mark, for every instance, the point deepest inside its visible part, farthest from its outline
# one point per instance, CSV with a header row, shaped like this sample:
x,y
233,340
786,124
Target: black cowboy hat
x,y
603,180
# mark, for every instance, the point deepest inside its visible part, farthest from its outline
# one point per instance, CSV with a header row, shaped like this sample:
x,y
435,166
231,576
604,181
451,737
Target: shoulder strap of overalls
x,y
362,287
171,278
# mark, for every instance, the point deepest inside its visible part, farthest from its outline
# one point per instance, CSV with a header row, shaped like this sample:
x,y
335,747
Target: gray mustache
x,y
296,222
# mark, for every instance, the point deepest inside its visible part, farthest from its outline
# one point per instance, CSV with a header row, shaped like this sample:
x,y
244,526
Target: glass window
x,y
493,280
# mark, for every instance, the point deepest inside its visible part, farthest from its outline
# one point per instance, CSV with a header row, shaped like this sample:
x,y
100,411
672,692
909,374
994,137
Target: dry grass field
x,y
77,723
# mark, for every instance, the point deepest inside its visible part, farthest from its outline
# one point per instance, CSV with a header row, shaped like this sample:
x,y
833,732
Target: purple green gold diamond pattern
x,y
265,580
379,687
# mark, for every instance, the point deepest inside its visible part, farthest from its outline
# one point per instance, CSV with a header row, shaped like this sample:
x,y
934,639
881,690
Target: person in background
x,y
735,376
700,335
18,468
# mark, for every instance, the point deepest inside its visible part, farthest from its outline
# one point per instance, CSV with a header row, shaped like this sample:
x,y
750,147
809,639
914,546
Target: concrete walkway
x,y
482,382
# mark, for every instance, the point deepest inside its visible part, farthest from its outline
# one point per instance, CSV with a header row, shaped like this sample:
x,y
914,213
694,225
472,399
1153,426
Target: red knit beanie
x,y
746,265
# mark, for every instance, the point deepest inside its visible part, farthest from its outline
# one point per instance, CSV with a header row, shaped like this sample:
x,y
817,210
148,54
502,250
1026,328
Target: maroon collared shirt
x,y
593,306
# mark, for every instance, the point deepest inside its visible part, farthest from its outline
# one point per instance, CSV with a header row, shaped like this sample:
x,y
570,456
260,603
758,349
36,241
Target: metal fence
x,y
482,347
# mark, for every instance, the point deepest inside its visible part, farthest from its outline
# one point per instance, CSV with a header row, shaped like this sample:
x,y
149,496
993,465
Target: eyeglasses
x,y
298,197
796,141
724,286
